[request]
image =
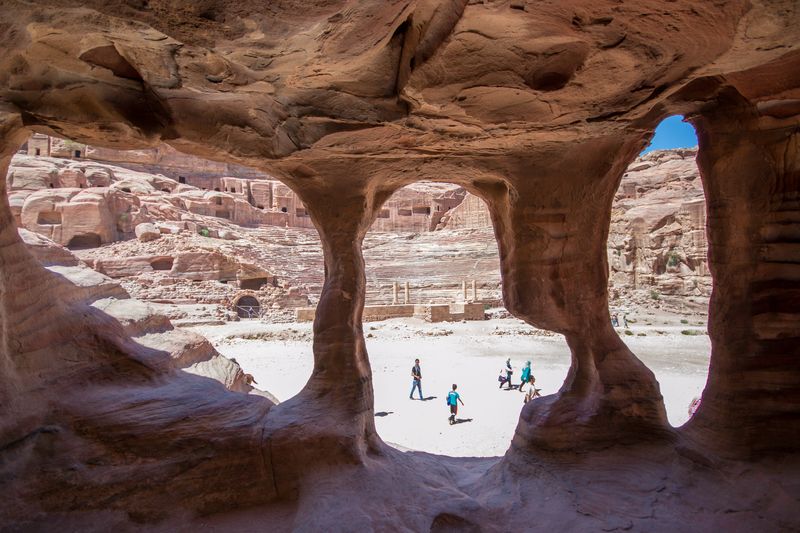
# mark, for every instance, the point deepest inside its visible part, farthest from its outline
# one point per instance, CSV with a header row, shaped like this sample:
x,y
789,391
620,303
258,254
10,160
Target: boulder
x,y
46,251
204,265
147,232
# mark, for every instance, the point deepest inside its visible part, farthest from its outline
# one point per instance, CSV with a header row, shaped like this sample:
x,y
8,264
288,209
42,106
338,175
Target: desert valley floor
x,y
470,354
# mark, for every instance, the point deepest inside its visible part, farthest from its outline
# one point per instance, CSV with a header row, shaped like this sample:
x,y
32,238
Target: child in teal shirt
x,y
452,400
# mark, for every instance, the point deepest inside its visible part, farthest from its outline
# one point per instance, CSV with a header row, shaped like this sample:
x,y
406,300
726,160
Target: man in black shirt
x,y
416,376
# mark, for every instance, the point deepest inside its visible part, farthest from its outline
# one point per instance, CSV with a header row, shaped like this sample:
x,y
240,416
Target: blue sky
x,y
672,133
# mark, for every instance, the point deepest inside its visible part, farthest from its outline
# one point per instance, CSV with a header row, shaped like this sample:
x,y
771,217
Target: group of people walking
x,y
454,398
526,378
615,320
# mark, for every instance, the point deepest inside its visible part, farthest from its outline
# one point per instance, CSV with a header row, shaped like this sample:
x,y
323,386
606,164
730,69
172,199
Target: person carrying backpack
x,y
452,400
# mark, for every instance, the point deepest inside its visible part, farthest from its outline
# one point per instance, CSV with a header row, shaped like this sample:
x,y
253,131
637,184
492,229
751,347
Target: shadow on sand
x,y
462,420
384,413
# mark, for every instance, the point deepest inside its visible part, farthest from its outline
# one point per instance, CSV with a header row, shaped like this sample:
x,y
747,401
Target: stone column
x,y
464,289
551,215
406,295
750,165
474,291
394,293
331,420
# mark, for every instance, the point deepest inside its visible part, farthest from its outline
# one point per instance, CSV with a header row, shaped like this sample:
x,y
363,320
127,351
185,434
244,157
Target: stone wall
x,y
427,312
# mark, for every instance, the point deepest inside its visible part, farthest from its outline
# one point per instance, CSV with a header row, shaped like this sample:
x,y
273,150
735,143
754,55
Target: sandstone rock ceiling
x,y
309,81
536,106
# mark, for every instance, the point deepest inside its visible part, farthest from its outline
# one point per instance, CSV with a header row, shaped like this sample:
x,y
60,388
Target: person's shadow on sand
x,y
384,413
462,420
429,398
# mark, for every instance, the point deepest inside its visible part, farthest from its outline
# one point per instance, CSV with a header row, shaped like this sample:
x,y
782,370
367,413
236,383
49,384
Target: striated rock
x,y
130,266
92,284
147,232
47,252
204,265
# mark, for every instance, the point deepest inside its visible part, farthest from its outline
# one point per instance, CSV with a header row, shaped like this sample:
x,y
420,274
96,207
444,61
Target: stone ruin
x,y
538,108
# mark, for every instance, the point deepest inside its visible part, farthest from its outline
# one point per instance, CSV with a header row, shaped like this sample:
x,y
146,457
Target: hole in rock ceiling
x,y
433,266
659,281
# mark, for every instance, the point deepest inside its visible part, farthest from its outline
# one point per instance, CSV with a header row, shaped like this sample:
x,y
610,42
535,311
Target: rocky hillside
x,y
172,242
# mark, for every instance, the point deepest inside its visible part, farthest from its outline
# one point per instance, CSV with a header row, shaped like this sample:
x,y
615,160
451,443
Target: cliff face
x,y
657,241
538,108
657,247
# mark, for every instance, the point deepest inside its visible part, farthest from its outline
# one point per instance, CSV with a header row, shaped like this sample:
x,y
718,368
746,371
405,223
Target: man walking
x,y
509,371
416,383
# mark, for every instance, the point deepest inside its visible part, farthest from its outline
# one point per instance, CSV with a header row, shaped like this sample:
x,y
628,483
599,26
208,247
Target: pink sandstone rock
x,y
147,232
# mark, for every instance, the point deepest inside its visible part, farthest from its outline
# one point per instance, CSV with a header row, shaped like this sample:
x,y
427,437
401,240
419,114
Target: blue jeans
x,y
416,384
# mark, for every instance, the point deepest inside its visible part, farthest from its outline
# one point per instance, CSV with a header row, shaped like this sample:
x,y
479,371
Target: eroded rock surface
x,y
538,108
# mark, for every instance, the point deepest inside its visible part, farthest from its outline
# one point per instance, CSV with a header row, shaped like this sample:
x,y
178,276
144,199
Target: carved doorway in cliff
x,y
248,307
659,282
84,241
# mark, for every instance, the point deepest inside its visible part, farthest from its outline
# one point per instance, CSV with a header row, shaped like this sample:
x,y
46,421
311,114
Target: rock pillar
x,y
551,215
406,295
331,420
14,261
750,166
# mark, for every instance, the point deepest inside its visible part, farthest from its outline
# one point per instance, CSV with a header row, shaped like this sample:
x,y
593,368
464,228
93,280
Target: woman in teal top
x,y
526,375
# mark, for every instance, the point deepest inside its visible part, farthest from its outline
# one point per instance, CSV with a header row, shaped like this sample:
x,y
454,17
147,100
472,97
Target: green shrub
x,y
691,332
655,295
641,334
628,332
204,232
684,321
673,259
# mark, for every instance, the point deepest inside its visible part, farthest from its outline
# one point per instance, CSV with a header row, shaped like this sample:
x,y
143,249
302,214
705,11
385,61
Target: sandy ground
x,y
470,354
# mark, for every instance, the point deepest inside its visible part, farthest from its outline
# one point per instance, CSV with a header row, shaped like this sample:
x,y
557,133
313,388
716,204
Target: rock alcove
x,y
538,108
